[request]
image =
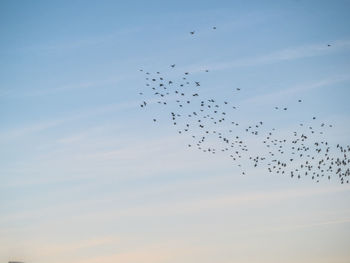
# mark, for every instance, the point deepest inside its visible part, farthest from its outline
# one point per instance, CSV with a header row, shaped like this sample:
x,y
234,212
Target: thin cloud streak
x,y
294,227
188,207
271,97
10,93
41,126
288,54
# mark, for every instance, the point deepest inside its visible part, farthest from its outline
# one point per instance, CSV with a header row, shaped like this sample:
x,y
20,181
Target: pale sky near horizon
x,y
87,177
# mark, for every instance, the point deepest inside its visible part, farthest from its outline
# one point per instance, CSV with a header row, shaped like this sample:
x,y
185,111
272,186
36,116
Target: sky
x,y
87,176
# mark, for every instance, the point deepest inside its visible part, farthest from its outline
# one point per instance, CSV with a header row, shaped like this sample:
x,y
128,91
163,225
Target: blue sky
x,y
88,177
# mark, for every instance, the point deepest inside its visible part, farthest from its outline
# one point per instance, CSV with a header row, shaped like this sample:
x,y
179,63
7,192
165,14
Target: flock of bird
x,y
209,124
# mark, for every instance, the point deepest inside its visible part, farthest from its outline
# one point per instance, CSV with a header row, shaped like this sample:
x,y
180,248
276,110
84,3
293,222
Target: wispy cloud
x,y
288,54
166,207
283,93
84,85
14,133
13,92
324,223
82,41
